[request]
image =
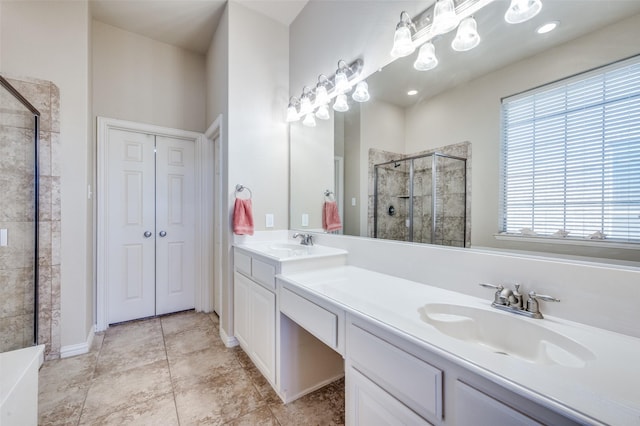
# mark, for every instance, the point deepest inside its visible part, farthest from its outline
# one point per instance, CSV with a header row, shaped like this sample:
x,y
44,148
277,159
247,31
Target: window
x,y
571,156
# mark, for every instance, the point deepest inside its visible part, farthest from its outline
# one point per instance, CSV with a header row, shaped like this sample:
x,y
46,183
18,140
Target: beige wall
x,y
255,51
50,41
139,79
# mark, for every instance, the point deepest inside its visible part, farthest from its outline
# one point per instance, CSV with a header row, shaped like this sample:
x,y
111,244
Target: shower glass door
x,y
18,220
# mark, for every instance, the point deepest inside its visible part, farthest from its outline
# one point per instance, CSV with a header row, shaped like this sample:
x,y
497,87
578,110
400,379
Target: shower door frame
x,y
434,174
36,172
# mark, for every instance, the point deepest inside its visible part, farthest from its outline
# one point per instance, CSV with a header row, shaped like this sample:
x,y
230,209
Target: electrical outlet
x,y
353,201
305,219
269,220
3,237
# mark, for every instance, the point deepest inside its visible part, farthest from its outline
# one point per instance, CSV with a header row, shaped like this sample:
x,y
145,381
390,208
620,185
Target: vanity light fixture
x,y
313,103
341,104
361,94
548,27
426,59
467,36
309,120
323,112
292,111
444,17
522,10
402,43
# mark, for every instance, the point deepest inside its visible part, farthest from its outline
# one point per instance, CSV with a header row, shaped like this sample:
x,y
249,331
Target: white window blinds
x,y
571,156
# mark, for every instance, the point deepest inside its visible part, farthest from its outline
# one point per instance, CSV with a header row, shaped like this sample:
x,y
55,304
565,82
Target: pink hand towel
x,y
330,216
242,217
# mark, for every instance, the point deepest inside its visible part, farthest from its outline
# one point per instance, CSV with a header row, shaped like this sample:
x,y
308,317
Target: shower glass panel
x,y
18,220
421,199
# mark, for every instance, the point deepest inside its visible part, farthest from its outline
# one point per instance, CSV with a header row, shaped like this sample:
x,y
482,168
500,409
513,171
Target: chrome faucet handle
x,y
533,305
497,288
306,240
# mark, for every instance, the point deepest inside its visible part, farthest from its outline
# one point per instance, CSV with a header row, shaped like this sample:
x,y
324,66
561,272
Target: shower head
x,y
396,164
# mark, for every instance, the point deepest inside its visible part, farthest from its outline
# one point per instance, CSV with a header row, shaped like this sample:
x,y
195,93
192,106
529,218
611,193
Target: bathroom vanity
x,y
289,357
418,354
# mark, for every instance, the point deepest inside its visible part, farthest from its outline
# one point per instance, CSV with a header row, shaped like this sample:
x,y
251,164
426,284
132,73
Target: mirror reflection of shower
x,y
421,199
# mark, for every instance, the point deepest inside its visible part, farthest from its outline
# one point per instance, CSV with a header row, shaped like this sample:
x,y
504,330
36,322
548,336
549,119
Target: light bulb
x,y
467,36
402,43
342,82
309,120
341,104
426,59
323,112
444,17
361,94
305,105
522,10
292,114
322,97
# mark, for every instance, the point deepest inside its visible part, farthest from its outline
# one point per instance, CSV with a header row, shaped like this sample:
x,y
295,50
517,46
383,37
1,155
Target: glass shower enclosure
x,y
421,199
19,122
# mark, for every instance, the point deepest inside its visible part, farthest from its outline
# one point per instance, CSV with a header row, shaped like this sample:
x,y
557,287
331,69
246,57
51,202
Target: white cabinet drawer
x,y
476,407
242,262
370,405
315,319
264,273
411,380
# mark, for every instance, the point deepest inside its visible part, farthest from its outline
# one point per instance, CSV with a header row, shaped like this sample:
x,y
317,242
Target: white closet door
x,y
130,224
175,225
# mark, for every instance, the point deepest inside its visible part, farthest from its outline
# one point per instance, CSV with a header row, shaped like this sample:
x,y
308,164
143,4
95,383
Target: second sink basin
x,y
506,334
288,250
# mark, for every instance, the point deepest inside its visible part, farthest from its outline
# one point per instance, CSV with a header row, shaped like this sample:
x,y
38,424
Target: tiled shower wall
x,y
45,97
453,217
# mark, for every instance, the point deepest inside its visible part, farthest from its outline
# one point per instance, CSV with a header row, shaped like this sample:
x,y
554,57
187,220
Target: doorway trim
x,y
202,169
214,156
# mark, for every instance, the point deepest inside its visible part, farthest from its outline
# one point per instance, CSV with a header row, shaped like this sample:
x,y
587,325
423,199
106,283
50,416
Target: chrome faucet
x,y
305,239
513,301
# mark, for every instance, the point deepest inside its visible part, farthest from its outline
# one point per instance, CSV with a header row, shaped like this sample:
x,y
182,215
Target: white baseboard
x,y
229,342
79,348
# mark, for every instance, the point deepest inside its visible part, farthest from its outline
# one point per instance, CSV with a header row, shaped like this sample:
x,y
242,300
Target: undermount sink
x,y
288,250
506,334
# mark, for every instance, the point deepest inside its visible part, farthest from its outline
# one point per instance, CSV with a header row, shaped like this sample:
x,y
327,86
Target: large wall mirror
x,y
424,167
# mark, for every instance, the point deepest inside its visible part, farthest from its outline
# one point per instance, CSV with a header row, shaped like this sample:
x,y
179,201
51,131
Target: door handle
x,y
147,234
163,234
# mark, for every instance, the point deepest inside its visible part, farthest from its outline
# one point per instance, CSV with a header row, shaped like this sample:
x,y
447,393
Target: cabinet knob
x,y
163,233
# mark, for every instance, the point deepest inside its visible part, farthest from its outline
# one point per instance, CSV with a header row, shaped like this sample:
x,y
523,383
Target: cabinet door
x,y
476,407
241,309
369,405
263,328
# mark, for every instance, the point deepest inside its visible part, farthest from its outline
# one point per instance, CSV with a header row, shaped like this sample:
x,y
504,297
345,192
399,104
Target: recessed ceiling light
x,y
548,27
412,92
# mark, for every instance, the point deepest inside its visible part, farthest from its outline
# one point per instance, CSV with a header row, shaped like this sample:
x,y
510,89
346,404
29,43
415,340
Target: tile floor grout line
x,y
91,379
173,390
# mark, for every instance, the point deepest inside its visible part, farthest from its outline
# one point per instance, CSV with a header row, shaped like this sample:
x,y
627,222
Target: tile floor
x,y
172,370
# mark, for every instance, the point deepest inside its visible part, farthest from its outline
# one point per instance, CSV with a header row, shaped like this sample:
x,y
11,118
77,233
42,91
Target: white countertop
x,y
290,250
606,389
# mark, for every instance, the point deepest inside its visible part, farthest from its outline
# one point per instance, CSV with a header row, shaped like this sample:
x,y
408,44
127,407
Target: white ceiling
x,y
189,24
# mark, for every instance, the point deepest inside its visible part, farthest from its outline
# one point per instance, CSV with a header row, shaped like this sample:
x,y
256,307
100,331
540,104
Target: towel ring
x,y
240,188
329,195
